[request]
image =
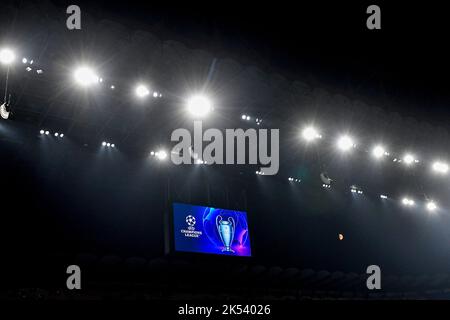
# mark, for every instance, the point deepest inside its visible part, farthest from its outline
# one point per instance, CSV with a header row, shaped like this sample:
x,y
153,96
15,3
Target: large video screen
x,y
210,230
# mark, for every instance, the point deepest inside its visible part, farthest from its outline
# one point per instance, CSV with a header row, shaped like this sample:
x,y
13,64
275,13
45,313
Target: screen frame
x,y
169,242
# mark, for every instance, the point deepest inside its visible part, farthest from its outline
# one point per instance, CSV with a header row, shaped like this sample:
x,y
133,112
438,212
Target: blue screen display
x,y
210,230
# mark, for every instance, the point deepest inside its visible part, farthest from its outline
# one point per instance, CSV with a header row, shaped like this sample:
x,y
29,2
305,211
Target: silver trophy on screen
x,y
226,231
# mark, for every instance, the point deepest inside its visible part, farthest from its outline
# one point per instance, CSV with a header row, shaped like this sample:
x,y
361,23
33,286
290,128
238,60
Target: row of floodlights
x,y
197,105
161,155
356,190
345,143
249,118
430,205
7,57
108,144
28,68
86,77
46,132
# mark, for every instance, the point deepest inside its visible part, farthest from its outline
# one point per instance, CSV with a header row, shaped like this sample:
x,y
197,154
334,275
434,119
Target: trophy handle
x,y
218,219
233,223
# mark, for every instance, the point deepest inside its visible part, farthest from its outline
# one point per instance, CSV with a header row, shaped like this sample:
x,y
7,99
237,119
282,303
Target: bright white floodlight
x,y
310,134
431,206
440,167
408,159
199,106
85,76
378,152
142,91
408,202
7,56
345,143
161,155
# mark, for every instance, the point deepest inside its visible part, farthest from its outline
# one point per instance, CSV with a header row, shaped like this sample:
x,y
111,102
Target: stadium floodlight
x,y
408,202
104,143
440,167
310,134
42,132
56,134
378,151
161,155
141,91
345,143
199,106
85,76
408,159
431,206
24,60
382,196
61,135
7,56
47,132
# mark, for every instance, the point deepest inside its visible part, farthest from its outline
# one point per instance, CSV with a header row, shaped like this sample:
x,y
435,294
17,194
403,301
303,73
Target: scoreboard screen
x,y
210,230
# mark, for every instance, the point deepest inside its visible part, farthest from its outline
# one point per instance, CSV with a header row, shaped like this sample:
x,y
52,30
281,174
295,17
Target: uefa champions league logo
x,y
190,220
190,231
